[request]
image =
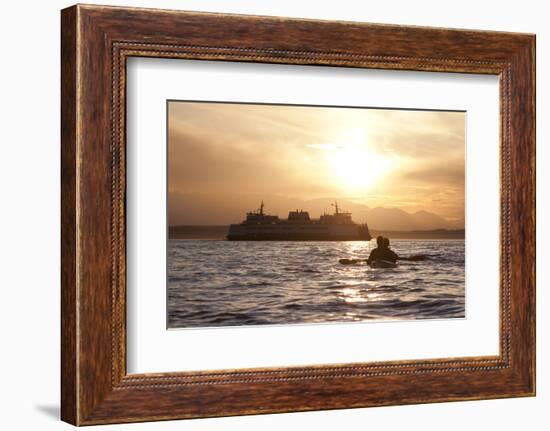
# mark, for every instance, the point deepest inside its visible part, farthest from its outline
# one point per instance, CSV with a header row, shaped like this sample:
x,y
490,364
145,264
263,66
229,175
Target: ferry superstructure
x,y
259,226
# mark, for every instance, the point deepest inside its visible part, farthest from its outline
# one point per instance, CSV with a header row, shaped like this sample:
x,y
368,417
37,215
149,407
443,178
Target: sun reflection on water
x,y
358,248
351,295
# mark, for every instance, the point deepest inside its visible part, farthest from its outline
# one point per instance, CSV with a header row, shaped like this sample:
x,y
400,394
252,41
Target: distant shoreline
x,y
219,232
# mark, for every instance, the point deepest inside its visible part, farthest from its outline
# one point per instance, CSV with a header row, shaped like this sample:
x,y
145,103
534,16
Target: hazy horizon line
x,y
371,228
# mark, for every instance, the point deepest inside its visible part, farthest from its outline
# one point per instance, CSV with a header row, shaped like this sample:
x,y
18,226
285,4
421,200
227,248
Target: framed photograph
x,y
263,214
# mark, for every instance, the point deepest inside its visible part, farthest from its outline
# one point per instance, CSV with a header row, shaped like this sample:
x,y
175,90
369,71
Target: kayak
x,y
379,263
352,261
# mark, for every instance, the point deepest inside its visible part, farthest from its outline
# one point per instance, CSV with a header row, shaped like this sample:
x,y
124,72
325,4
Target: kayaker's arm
x,y
394,255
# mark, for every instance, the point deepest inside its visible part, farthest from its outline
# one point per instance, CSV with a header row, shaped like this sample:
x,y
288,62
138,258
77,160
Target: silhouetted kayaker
x,y
376,253
382,251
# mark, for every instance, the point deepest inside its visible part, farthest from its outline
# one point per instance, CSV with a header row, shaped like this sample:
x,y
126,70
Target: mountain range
x,y
186,209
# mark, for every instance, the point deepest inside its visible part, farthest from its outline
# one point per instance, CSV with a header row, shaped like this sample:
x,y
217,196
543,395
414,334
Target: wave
x,y
221,283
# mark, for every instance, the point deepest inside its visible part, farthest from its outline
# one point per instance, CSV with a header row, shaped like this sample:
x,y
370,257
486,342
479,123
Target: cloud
x,y
239,150
324,146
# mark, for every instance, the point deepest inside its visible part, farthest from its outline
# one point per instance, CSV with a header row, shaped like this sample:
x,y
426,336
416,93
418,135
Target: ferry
x,y
259,226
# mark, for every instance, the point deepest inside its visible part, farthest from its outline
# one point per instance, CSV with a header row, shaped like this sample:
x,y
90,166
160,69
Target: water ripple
x,y
221,283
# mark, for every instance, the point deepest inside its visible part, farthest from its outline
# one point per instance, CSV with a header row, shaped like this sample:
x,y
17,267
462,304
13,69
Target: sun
x,y
355,165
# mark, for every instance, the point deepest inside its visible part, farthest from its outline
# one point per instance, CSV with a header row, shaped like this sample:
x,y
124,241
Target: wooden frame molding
x,y
95,43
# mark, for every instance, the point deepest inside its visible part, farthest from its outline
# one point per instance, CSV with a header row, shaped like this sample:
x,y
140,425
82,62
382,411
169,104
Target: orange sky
x,y
222,158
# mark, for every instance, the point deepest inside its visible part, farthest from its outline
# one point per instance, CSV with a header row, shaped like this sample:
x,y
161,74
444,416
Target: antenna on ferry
x,y
262,208
335,205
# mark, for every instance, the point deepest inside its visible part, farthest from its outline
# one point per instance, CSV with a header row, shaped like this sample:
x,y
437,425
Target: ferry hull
x,y
239,233
294,238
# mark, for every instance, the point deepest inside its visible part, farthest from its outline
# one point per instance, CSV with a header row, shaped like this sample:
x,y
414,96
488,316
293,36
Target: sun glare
x,y
355,165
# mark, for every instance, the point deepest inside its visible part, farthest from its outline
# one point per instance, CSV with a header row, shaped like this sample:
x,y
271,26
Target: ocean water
x,y
224,283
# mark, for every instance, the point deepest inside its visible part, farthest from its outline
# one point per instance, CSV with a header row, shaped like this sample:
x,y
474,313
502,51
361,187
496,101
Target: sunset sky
x,y
224,158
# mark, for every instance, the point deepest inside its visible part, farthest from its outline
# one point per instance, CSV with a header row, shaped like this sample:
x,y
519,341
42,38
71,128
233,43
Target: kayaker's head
x,y
387,242
380,241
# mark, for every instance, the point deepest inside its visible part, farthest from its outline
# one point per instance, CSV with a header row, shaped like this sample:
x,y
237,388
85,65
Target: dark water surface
x,y
223,283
